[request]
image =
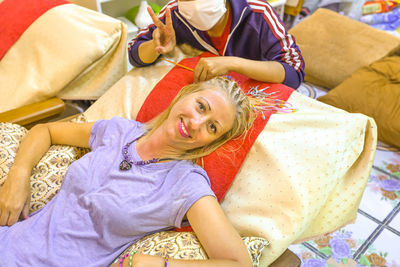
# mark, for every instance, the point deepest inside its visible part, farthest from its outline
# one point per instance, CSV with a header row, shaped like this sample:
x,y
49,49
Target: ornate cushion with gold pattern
x,y
47,175
185,245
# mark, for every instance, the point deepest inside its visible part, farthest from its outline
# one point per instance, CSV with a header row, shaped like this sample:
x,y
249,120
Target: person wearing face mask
x,y
247,36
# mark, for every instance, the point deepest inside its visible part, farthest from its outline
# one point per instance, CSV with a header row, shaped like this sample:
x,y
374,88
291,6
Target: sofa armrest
x,y
33,112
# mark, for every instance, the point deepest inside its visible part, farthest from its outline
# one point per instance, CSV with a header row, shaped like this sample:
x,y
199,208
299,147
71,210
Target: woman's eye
x,y
201,106
213,128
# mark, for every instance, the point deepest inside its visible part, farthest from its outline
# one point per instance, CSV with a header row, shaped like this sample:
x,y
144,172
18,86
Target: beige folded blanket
x,y
69,51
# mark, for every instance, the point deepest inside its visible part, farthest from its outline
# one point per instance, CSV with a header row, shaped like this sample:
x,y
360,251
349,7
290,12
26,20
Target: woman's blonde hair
x,y
244,116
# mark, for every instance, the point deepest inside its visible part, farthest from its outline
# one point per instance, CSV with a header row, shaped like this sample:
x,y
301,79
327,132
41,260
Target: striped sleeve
x,y
144,35
278,44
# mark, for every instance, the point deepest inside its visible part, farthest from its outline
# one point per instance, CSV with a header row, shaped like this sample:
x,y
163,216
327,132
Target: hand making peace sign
x,y
164,34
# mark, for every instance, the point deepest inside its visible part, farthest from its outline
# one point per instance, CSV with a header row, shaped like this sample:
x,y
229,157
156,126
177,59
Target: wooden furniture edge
x,y
33,112
287,259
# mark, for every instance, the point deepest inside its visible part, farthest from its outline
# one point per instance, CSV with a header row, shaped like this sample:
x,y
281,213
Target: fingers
x,y
155,19
168,20
25,211
8,218
11,203
208,68
163,34
13,218
196,73
201,75
4,218
10,215
161,50
198,69
156,40
202,71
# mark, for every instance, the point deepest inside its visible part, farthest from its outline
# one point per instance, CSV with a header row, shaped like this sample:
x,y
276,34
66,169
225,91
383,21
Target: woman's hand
x,y
15,192
263,71
164,34
14,197
210,67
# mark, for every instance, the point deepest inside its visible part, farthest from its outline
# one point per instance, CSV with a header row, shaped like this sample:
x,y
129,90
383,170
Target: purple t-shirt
x,y
101,210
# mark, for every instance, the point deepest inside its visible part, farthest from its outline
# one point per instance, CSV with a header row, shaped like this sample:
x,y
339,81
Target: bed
x,y
303,176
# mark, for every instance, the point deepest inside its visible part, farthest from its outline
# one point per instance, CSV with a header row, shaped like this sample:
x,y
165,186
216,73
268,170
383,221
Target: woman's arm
x,y
218,237
264,71
220,240
15,192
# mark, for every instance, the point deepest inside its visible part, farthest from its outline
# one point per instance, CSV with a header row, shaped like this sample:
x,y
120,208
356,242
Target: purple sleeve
x,y
280,46
192,187
97,133
133,46
105,130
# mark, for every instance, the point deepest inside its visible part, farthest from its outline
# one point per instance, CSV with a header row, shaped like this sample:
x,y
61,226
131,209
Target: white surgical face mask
x,y
202,14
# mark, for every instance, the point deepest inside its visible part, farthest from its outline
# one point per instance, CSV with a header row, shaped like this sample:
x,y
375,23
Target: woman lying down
x,y
137,179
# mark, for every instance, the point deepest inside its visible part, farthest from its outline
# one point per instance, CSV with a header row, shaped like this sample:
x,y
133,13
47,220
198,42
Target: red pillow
x,y
221,165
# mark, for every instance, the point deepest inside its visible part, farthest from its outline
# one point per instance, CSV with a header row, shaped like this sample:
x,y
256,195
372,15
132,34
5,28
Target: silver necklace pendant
x,y
125,165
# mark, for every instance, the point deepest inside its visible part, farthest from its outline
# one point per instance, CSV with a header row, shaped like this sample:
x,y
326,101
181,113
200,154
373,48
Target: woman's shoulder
x,y
190,166
115,125
121,124
124,121
191,170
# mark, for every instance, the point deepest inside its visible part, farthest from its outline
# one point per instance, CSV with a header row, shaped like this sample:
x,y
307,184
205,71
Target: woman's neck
x,y
218,29
154,145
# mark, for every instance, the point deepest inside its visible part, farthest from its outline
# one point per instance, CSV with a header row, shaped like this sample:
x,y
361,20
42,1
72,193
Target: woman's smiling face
x,y
198,119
